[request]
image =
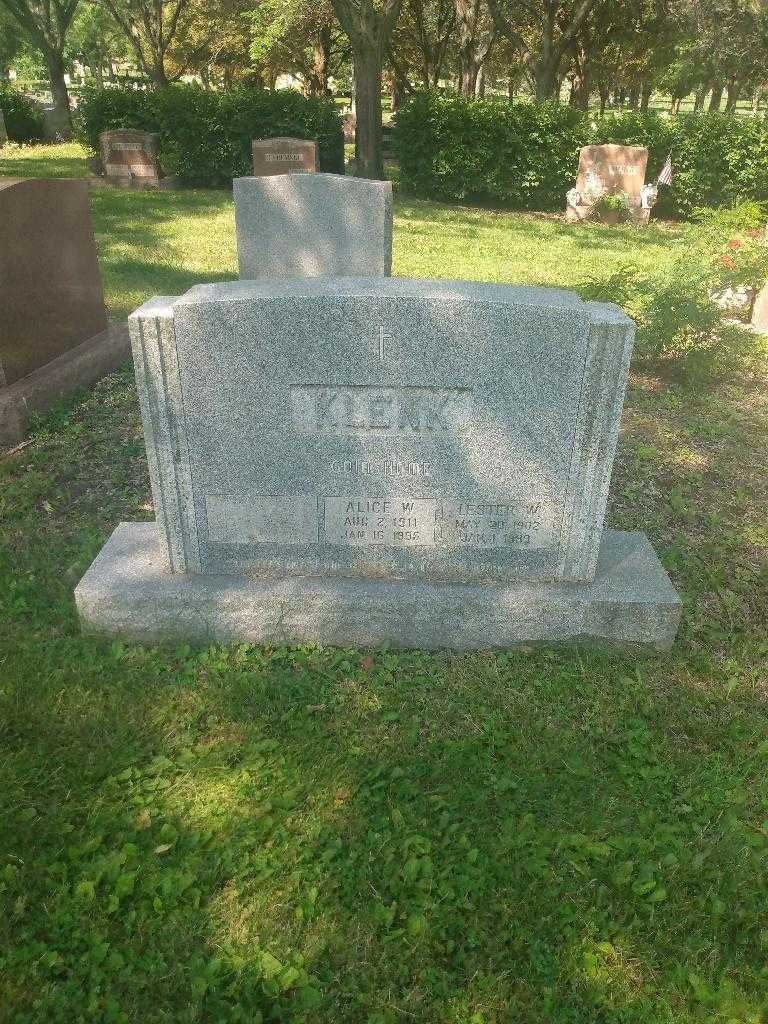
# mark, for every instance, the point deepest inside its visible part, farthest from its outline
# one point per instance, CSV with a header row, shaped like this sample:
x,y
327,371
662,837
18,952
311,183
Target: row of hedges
x,y
205,137
23,119
525,155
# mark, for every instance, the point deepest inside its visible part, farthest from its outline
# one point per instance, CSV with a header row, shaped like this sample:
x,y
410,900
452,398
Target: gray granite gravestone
x,y
361,460
313,225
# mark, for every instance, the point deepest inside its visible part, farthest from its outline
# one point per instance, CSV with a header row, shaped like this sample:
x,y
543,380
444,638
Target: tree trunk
x,y
699,96
580,92
646,91
61,119
716,97
480,83
732,95
511,87
370,161
470,69
545,74
157,75
634,97
604,93
321,50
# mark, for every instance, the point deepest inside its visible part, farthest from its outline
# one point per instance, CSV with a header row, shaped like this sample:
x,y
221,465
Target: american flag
x,y
665,175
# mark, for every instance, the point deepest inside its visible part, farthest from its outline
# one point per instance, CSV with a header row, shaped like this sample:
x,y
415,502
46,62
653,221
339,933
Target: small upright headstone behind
x,y
313,225
284,156
131,158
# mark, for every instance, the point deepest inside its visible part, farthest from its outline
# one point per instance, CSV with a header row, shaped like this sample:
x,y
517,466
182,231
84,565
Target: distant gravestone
x,y
131,158
366,460
608,169
319,225
54,335
283,156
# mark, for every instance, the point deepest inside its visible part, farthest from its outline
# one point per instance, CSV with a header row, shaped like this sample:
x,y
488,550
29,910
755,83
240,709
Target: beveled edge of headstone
x,y
395,287
291,139
311,181
612,145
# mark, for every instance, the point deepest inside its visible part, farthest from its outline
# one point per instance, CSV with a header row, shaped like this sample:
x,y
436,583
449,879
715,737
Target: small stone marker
x,y
760,310
131,158
367,460
609,168
284,156
318,225
54,335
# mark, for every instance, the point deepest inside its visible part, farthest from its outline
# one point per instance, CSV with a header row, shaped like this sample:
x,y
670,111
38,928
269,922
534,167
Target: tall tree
x,y
420,42
151,27
302,37
13,41
369,25
475,39
95,41
46,23
542,32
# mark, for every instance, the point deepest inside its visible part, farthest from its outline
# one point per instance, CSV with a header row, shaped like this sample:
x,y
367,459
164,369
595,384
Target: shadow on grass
x,y
519,836
561,835
411,211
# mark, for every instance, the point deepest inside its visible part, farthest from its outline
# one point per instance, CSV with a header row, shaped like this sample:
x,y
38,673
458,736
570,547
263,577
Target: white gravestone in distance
x,y
313,225
364,460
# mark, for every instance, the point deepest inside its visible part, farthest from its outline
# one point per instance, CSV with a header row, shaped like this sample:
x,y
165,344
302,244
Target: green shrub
x,y
526,155
456,149
205,136
23,120
681,310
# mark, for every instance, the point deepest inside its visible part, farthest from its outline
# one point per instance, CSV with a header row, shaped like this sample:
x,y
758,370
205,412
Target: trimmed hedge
x,y
205,136
23,119
525,155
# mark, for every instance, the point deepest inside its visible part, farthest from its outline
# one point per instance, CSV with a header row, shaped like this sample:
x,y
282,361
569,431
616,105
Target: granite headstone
x,y
283,156
318,225
131,158
360,460
610,168
54,334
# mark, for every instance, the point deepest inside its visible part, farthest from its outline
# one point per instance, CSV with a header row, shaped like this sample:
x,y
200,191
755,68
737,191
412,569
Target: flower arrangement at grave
x,y
612,207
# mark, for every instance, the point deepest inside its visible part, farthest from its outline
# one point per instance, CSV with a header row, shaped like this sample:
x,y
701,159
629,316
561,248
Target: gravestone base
x,y
78,367
130,592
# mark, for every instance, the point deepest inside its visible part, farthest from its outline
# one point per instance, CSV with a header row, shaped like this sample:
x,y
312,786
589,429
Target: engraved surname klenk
x,y
381,411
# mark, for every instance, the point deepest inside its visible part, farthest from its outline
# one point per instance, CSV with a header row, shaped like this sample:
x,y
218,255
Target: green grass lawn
x,y
554,835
